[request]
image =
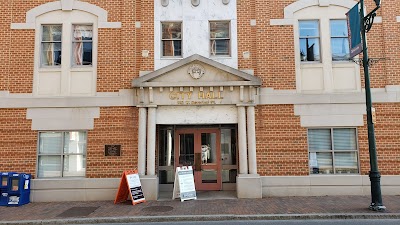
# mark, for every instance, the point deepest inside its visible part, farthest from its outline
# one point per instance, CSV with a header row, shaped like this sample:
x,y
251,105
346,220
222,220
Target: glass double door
x,y
200,148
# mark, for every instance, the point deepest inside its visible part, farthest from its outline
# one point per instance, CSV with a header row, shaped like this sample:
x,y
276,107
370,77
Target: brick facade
x,y
281,141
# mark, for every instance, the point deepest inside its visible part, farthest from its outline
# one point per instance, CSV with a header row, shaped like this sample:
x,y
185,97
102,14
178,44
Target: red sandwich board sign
x,y
131,187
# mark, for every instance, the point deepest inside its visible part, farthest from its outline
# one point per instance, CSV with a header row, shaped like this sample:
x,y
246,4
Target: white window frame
x,y
82,41
336,37
333,151
326,82
316,37
162,40
214,39
66,72
62,154
41,46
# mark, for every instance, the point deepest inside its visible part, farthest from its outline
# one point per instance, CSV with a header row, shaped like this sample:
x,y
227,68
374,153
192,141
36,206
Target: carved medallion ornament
x,y
196,71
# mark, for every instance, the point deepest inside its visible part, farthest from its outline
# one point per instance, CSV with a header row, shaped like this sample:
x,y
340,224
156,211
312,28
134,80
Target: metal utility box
x,y
3,197
19,189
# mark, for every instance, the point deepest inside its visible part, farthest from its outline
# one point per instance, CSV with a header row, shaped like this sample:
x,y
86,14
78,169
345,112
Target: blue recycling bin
x,y
19,189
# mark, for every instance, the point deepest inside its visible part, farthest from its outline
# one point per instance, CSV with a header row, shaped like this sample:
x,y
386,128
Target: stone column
x,y
251,140
242,140
142,141
151,141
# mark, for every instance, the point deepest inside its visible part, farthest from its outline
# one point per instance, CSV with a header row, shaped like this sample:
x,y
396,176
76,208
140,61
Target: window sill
x,y
171,58
220,57
82,68
50,69
311,64
346,64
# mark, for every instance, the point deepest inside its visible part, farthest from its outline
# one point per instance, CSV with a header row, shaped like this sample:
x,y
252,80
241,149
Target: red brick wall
x,y
281,143
116,125
387,136
119,50
17,142
389,37
5,18
20,77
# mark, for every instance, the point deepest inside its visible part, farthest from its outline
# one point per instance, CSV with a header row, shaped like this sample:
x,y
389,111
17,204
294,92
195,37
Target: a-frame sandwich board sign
x,y
131,187
184,186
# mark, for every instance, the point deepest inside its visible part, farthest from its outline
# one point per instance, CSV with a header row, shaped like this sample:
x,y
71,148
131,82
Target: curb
x,y
204,218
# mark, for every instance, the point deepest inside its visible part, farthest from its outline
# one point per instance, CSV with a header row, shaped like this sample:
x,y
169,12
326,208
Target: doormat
x,y
78,211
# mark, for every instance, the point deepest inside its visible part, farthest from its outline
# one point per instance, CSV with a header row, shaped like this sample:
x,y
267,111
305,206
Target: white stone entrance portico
x,y
197,91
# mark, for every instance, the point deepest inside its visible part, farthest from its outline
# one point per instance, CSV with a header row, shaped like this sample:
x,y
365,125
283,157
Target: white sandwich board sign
x,y
184,187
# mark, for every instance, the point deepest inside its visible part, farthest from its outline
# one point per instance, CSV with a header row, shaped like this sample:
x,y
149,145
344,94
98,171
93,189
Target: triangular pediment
x,y
196,70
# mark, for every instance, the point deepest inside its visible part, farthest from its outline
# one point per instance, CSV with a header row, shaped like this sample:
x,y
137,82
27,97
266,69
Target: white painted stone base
x,y
74,189
248,186
321,185
149,187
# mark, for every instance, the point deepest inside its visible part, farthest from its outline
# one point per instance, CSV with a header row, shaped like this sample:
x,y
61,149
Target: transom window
x,y
309,40
62,154
171,38
220,38
333,151
51,45
339,40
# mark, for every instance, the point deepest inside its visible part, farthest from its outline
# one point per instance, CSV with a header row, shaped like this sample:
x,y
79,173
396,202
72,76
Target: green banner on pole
x,y
354,28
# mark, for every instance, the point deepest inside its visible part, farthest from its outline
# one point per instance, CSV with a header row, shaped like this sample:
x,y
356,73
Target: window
x,y
339,40
51,45
82,44
171,38
333,151
309,40
220,38
62,154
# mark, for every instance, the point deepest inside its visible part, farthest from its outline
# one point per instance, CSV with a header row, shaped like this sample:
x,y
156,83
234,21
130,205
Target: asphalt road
x,y
273,222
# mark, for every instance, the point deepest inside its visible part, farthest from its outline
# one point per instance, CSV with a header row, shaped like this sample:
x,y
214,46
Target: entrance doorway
x,y
210,149
201,149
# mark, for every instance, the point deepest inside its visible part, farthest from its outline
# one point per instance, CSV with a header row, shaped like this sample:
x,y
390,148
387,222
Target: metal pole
x,y
374,174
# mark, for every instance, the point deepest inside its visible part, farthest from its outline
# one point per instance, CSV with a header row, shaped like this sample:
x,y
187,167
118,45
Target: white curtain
x,y
80,32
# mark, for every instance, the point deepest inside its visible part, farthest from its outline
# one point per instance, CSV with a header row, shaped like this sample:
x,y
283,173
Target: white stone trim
x,y
398,18
63,118
22,26
276,22
123,98
329,109
186,114
332,121
66,5
301,4
378,19
268,96
110,25
330,115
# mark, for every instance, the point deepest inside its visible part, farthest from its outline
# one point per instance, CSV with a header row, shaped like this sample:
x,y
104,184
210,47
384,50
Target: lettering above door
x,y
201,98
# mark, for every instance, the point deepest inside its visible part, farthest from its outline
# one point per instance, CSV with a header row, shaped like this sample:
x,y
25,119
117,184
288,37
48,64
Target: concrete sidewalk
x,y
326,207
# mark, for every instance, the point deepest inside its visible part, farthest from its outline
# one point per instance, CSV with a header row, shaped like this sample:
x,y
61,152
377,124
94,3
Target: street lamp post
x,y
374,174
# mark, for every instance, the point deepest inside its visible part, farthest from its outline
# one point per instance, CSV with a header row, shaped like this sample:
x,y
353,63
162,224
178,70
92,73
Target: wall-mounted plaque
x,y
112,150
